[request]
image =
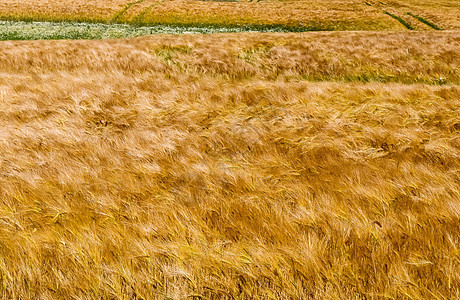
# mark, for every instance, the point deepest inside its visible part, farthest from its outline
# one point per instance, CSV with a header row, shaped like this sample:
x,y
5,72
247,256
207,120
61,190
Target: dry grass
x,y
309,15
207,167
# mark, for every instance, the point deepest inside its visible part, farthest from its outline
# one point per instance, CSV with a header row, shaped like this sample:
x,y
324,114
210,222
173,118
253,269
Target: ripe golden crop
x,y
307,15
244,166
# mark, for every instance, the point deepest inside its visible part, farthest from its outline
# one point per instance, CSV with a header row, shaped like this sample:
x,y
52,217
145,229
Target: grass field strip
x,y
20,30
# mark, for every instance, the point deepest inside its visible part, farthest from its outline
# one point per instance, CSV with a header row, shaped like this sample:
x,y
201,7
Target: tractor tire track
x,y
117,17
378,6
424,21
138,20
406,23
400,20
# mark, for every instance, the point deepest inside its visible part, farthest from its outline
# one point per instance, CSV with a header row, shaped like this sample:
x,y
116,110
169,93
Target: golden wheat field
x,y
311,14
231,166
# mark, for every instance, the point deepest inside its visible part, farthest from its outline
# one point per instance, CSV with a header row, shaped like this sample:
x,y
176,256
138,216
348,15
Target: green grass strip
x,y
400,20
425,21
20,30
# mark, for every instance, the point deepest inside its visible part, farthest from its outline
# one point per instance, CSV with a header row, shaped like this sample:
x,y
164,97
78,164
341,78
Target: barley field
x,y
257,156
303,15
319,165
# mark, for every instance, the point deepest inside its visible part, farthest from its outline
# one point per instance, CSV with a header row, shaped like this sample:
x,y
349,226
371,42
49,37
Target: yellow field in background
x,y
313,14
91,10
231,166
